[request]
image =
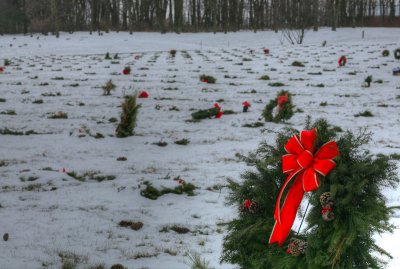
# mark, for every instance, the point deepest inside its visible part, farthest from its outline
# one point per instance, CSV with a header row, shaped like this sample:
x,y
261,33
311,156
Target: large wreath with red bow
x,y
342,183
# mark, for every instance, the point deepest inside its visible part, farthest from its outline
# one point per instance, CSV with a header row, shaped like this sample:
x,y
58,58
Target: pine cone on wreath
x,y
327,204
297,247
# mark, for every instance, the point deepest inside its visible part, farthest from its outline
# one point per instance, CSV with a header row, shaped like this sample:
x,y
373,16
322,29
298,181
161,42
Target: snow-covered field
x,y
49,215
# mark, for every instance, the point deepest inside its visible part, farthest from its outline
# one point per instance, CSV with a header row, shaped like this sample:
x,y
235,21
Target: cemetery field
x,y
70,190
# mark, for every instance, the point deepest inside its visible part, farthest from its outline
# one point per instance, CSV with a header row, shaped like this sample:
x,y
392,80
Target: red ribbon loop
x,y
303,167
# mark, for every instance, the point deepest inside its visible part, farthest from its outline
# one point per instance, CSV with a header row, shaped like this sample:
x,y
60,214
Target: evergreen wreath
x,y
345,241
285,111
342,61
385,53
397,54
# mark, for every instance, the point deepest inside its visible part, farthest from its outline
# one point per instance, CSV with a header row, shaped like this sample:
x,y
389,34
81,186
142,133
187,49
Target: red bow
x,y
342,61
303,166
220,113
143,94
282,99
246,103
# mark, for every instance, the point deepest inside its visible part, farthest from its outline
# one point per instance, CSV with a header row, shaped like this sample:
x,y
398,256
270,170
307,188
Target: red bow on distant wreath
x,y
342,61
303,167
246,103
220,113
282,99
143,94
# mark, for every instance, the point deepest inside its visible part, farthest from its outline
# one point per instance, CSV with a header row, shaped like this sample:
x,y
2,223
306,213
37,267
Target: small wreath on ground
x,y
280,108
397,54
385,53
342,61
208,79
208,113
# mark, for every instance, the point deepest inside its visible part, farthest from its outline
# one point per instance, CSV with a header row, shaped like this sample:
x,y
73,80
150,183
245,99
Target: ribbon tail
x,y
277,213
288,212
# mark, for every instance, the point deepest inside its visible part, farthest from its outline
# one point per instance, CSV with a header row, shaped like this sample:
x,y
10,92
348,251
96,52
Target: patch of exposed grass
x,y
91,175
141,255
134,225
51,94
33,187
108,87
196,262
176,228
58,115
7,131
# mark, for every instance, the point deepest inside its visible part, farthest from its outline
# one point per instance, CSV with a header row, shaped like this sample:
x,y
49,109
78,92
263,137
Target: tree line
x,y
23,16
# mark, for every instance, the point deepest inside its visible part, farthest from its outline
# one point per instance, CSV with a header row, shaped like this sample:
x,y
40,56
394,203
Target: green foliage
x,y
208,79
172,53
276,84
107,57
129,113
7,131
385,53
360,208
205,113
397,54
183,141
8,112
368,80
264,77
285,113
153,193
298,64
366,113
253,124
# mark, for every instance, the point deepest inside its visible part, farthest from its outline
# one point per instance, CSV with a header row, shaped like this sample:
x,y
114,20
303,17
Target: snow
x,y
82,217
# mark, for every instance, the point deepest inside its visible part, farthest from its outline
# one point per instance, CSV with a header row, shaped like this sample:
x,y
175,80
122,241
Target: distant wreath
x,y
342,61
397,54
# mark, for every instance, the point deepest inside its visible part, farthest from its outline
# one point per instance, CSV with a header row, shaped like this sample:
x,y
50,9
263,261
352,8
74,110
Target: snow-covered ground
x,y
49,214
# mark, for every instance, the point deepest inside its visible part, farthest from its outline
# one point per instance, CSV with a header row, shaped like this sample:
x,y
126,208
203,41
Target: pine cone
x,y
297,246
327,204
326,199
